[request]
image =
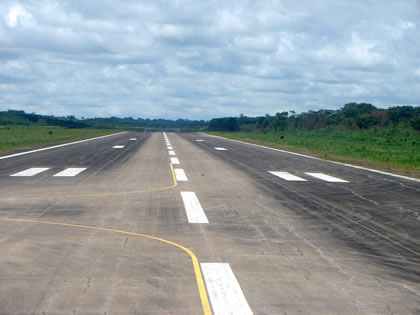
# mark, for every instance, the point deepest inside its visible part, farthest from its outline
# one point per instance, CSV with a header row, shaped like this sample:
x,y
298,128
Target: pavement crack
x,y
388,307
401,184
360,196
300,251
416,292
89,279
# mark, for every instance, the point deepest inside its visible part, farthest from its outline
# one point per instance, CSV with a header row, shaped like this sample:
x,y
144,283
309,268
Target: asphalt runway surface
x,y
166,223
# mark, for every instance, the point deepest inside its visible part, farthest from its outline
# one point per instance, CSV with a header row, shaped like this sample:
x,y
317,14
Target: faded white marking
x,y
327,178
133,139
59,146
195,212
180,175
220,149
170,147
171,152
118,147
174,161
199,140
70,172
31,171
288,176
225,294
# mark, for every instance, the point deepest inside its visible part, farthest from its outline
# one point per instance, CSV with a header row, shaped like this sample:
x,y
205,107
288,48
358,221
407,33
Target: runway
x,y
158,223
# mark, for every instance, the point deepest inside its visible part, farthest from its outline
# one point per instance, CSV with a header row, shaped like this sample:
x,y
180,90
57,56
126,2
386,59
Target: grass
x,y
19,138
391,150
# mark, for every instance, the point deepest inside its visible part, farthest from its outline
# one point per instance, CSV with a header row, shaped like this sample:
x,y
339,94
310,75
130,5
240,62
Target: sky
x,y
204,59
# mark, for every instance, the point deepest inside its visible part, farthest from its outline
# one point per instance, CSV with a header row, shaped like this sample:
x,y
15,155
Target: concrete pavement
x,y
338,240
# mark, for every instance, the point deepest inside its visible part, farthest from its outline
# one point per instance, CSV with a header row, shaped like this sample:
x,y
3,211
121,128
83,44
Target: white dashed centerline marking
x,y
180,175
199,140
31,171
220,149
327,178
118,147
288,176
70,172
133,139
225,294
195,212
171,152
174,161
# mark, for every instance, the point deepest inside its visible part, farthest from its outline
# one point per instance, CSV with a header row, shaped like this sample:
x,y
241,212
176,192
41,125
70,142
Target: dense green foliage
x,y
394,147
353,116
15,117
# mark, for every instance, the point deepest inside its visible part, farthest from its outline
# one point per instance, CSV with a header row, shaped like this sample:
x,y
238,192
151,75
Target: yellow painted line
x,y
198,276
175,183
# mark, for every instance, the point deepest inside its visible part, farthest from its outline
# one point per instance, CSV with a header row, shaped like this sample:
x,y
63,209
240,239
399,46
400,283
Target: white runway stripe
x,y
170,148
225,294
171,152
220,149
174,161
195,212
70,172
31,171
59,146
327,178
118,147
133,139
288,176
180,175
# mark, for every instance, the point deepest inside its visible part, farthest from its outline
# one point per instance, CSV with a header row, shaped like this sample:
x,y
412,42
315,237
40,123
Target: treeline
x,y
129,122
19,117
352,116
355,116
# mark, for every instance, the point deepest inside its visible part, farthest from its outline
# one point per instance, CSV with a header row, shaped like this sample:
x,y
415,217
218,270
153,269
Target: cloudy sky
x,y
204,59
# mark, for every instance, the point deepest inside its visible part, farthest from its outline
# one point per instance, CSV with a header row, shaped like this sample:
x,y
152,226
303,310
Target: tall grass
x,y
396,147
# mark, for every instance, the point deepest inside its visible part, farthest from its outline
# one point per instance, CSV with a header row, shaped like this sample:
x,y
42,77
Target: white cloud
x,y
18,16
363,51
200,59
405,25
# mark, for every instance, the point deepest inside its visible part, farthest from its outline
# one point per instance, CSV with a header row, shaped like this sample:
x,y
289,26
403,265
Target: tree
x,y
280,121
401,113
353,110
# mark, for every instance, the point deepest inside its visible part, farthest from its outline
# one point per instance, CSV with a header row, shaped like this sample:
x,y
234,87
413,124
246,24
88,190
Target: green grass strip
x,y
19,138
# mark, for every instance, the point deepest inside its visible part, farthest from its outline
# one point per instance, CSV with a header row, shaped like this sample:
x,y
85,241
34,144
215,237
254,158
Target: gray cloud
x,y
202,59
